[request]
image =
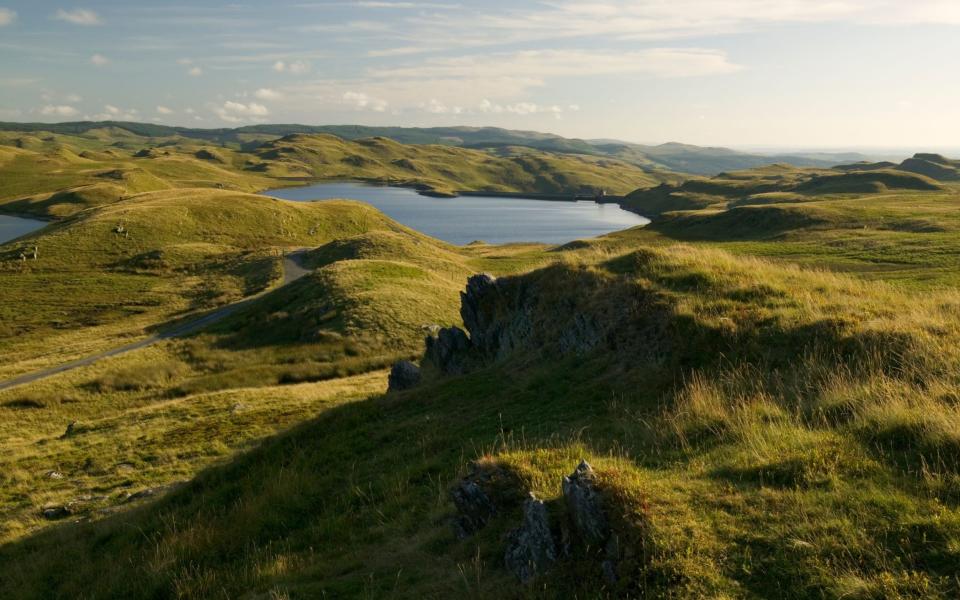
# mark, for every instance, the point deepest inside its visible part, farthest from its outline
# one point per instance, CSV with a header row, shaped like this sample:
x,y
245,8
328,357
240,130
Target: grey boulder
x,y
403,376
531,550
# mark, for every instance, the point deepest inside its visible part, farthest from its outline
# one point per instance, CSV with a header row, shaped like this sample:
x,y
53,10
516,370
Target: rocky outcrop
x,y
484,492
474,507
590,527
497,313
531,549
537,543
479,288
584,506
556,312
447,350
403,376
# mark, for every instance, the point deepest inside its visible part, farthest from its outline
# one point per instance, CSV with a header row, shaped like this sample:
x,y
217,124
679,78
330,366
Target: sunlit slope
x,y
445,169
59,182
879,222
142,260
772,184
57,175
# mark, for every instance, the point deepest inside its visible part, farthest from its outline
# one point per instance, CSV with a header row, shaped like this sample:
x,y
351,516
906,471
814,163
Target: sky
x,y
834,74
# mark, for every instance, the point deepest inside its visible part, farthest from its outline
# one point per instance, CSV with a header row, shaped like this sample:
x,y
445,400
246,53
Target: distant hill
x,y
777,184
934,166
684,158
701,160
59,174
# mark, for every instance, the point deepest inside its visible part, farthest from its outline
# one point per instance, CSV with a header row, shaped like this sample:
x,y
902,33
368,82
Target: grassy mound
x,y
195,217
933,166
868,182
129,266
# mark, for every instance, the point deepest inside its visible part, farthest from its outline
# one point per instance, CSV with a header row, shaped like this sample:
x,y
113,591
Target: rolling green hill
x,y
683,158
772,184
445,169
764,381
59,174
756,430
122,269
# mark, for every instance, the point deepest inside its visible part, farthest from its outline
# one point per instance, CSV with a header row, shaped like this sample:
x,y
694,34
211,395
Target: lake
x,y
14,227
465,219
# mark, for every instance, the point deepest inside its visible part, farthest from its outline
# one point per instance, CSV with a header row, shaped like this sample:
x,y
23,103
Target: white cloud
x,y
195,72
114,113
73,98
406,5
267,94
79,16
7,16
364,101
58,111
523,108
236,112
657,19
436,107
538,64
184,61
99,60
163,110
296,67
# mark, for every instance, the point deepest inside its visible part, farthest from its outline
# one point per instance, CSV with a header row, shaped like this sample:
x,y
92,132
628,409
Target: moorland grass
x,y
798,440
773,411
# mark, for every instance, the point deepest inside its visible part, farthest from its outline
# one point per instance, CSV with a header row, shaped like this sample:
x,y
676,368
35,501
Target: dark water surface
x,y
466,219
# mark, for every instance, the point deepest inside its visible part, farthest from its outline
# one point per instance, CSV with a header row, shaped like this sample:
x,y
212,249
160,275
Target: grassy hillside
x,y
445,169
934,166
59,174
774,183
764,379
758,431
685,158
671,156
376,285
125,268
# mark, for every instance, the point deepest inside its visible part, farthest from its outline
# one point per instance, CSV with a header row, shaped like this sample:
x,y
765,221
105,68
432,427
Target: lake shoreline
x,y
496,217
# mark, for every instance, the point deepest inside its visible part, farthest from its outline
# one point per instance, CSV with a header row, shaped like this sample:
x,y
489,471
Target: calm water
x,y
13,227
463,220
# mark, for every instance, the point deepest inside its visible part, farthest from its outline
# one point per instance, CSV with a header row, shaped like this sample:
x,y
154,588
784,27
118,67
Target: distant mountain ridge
x,y
671,156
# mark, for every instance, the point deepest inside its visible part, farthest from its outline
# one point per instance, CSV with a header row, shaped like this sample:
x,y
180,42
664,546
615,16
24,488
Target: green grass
x,y
119,271
749,460
765,379
903,236
58,175
445,169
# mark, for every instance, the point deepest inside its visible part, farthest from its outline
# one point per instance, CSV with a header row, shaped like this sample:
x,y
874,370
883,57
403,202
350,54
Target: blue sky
x,y
778,73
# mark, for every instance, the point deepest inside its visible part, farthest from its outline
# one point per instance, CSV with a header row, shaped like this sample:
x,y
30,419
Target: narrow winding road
x,y
293,270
